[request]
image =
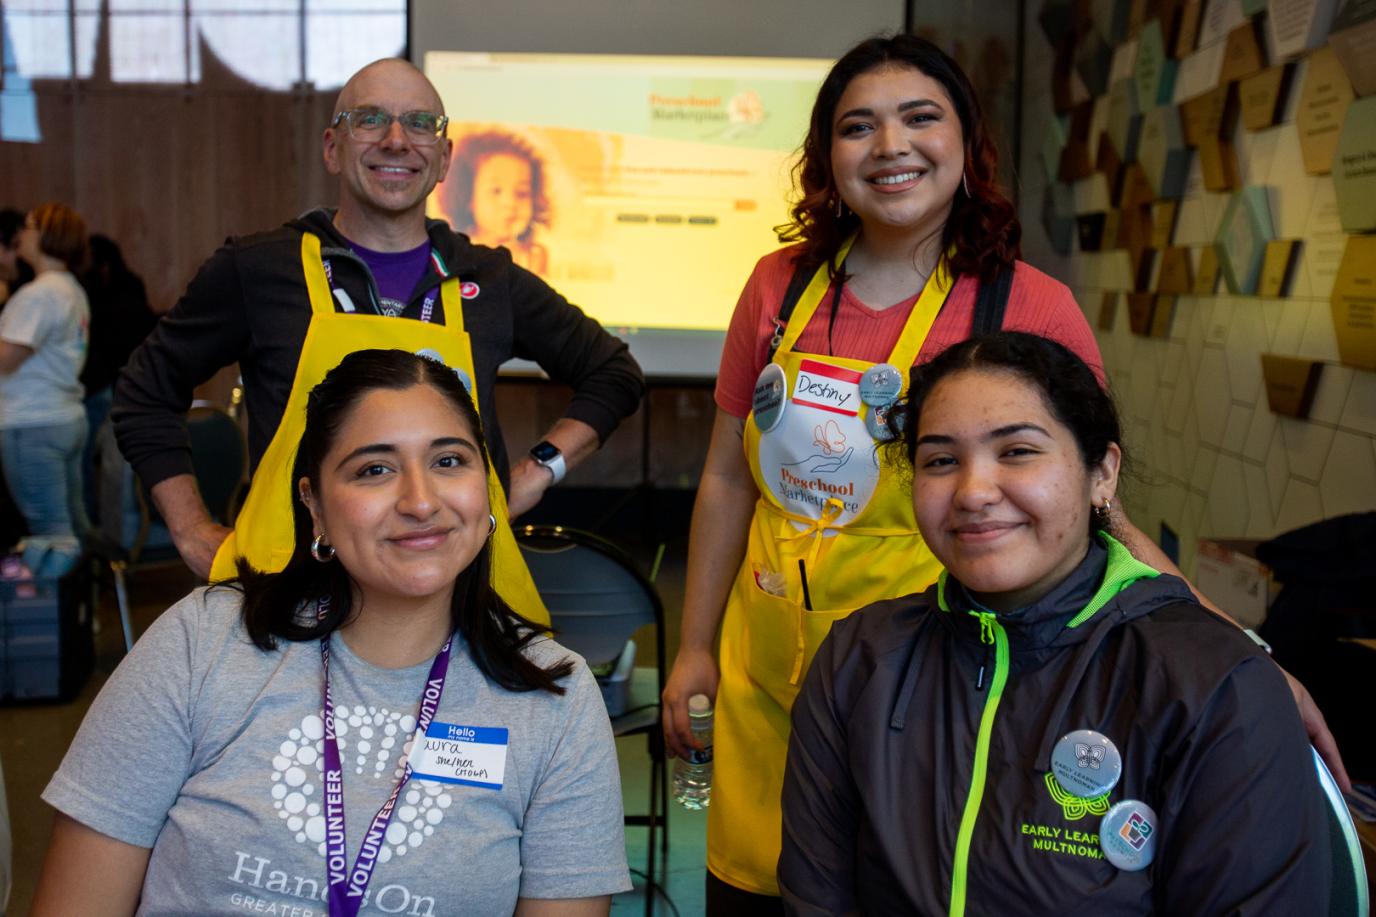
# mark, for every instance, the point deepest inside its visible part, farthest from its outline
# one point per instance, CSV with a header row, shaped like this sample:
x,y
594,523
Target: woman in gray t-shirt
x,y
43,336
370,730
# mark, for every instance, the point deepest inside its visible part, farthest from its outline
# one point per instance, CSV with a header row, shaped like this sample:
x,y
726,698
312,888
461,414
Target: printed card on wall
x,y
1354,167
1206,276
1243,55
1290,384
1243,233
1353,39
1176,275
1263,97
1277,267
1296,26
1323,103
1354,303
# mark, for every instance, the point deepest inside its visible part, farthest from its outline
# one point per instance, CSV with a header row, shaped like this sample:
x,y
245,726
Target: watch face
x,y
544,452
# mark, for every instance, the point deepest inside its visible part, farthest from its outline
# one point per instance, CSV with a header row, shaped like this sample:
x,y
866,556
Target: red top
x,y
1037,304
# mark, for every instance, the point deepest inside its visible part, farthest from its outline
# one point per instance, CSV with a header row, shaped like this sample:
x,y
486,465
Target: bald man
x,y
376,255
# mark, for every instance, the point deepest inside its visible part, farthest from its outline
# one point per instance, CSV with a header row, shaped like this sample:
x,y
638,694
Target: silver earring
x,y
965,182
840,207
321,549
491,524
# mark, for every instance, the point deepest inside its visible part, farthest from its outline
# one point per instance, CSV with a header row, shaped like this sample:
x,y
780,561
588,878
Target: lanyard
x,y
427,306
348,886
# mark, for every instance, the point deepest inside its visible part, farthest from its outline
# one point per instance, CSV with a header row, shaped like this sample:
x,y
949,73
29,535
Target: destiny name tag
x,y
469,755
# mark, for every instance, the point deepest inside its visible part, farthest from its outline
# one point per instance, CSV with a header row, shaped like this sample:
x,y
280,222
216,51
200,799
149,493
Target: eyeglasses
x,y
370,125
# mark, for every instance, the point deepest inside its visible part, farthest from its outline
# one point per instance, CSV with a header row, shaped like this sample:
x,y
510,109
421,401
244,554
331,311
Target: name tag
x,y
469,755
827,387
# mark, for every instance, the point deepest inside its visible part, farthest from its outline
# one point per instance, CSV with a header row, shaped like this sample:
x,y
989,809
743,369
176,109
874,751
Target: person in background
x,y
43,334
14,273
900,229
1054,727
120,320
498,196
258,726
288,304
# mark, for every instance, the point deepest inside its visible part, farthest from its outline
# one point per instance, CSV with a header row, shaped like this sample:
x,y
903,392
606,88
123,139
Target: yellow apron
x,y
830,498
264,532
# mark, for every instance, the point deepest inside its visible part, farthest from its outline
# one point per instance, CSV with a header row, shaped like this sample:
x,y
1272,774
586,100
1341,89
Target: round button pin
x,y
878,420
880,384
1086,763
767,404
1127,835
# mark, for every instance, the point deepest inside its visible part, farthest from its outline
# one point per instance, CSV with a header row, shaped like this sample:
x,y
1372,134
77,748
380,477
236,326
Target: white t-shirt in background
x,y
51,315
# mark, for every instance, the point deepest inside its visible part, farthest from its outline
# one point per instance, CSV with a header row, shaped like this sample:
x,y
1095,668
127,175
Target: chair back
x,y
1350,895
596,595
219,459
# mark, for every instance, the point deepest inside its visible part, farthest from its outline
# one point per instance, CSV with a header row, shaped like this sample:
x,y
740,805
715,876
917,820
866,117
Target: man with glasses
x,y
289,303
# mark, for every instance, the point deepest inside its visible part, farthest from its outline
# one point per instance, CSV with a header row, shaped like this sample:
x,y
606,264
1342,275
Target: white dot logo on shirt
x,y
371,744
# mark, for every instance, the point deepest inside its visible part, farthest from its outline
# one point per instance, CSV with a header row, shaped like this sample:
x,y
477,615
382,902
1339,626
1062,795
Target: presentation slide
x,y
642,188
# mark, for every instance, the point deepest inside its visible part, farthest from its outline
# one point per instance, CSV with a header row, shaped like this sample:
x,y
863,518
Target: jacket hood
x,y
456,253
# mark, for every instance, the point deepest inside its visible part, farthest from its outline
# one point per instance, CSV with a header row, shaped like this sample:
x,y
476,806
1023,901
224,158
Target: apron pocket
x,y
771,644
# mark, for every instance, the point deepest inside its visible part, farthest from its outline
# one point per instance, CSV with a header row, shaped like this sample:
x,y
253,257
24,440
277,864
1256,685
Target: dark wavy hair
x,y
469,152
494,633
1069,389
982,232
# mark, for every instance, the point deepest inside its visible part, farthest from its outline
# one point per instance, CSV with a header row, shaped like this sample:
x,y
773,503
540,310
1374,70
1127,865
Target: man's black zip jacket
x,y
248,304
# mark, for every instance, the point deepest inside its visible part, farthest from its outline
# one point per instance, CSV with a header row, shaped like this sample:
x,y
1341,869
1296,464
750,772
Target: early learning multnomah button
x,y
768,400
1086,763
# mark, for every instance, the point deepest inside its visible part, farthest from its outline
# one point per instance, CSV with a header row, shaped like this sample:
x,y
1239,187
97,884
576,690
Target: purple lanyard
x,y
427,306
349,886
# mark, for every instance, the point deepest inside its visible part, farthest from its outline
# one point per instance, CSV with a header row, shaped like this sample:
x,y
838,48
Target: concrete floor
x,y
34,737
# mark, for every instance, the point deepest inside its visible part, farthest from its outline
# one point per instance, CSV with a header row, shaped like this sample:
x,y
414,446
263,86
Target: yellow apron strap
x,y
808,302
921,319
453,307
317,284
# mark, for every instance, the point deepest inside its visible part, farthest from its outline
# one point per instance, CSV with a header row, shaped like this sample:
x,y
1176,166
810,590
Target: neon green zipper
x,y
990,631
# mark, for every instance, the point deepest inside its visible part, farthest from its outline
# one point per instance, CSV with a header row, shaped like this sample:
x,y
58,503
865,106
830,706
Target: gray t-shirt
x,y
52,316
208,750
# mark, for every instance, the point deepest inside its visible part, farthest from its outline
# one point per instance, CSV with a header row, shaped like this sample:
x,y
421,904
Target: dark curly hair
x,y
1068,387
493,633
471,150
982,232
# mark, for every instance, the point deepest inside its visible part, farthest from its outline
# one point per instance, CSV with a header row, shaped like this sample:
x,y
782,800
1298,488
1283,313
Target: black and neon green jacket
x,y
917,769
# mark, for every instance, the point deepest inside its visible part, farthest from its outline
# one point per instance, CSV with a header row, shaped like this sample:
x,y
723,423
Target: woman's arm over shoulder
x,y
88,874
572,839
1244,828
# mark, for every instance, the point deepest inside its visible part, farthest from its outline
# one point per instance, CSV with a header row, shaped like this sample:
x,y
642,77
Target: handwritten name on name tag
x,y
468,755
830,388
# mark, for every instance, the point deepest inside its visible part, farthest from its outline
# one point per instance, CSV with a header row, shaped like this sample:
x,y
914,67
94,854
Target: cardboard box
x,y
1227,572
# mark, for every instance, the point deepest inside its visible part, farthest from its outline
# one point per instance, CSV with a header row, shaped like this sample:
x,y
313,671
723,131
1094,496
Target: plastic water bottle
x,y
693,774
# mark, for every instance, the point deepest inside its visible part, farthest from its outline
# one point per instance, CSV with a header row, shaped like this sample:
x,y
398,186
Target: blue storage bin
x,y
46,649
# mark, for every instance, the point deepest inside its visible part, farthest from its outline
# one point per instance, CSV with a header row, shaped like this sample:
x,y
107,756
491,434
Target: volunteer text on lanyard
x,y
346,302
348,886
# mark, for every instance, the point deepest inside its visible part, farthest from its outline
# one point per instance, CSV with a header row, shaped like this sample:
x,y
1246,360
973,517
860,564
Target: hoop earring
x,y
491,525
1103,512
840,207
321,549
965,182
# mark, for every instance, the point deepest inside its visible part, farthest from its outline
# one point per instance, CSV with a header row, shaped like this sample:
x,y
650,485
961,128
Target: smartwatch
x,y
547,454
